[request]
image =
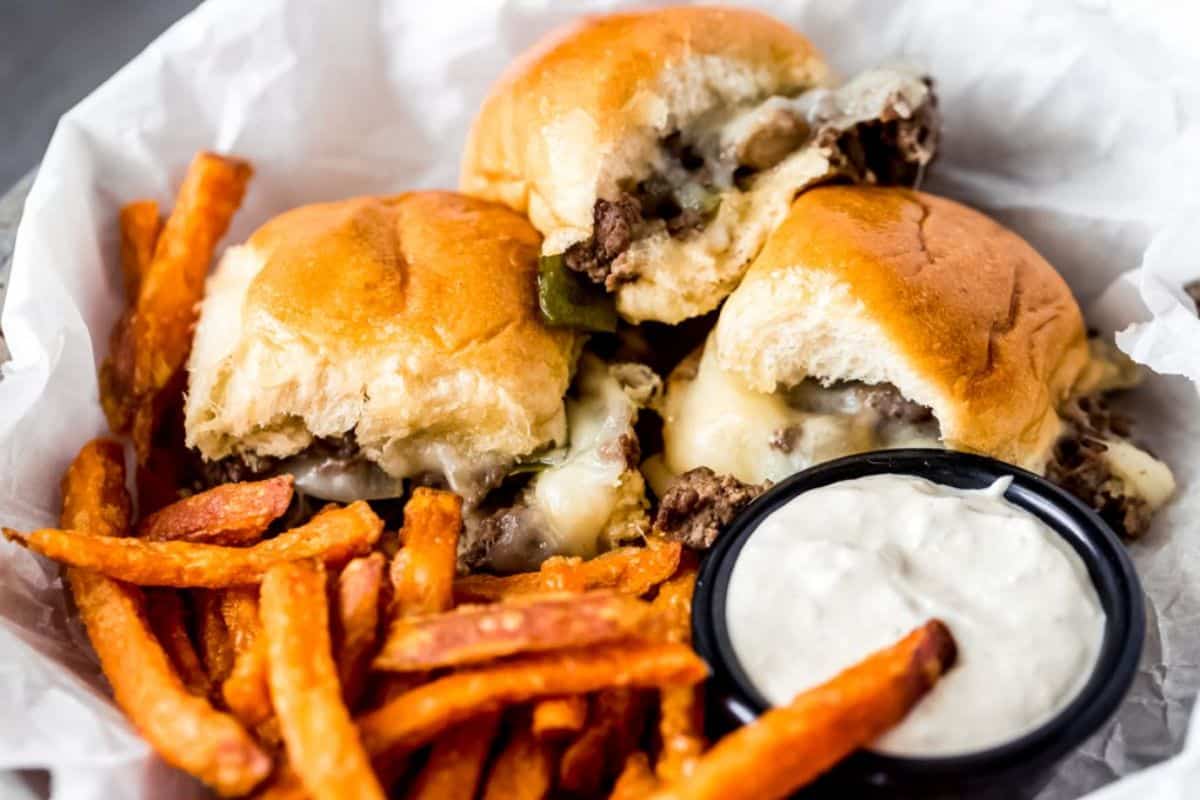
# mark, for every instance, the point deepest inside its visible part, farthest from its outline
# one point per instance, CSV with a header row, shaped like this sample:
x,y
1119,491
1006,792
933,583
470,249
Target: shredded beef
x,y
887,400
1079,466
1193,290
699,504
613,225
893,149
250,467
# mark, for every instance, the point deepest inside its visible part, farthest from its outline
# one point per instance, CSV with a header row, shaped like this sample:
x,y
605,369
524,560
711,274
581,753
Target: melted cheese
x,y
592,490
715,421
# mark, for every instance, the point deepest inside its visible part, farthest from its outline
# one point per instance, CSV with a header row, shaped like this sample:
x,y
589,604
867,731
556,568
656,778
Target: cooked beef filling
x,y
250,467
887,400
1079,466
699,503
1193,290
684,192
891,150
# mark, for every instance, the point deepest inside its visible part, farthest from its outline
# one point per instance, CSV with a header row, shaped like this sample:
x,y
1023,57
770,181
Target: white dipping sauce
x,y
841,571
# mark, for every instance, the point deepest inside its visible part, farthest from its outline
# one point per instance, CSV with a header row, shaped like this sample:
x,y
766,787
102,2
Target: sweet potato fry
x,y
473,634
789,746
524,768
140,224
681,708
245,689
356,622
456,761
559,717
416,717
216,651
322,743
168,621
629,570
636,779
423,570
185,730
234,514
335,537
618,717
152,339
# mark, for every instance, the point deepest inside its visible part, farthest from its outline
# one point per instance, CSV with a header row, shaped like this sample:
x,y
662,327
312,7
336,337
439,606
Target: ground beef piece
x,y
891,150
887,400
700,503
1193,291
1078,465
232,469
613,226
250,467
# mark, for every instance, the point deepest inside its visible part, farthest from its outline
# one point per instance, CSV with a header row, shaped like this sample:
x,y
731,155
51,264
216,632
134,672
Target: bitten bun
x,y
902,287
579,112
582,115
410,321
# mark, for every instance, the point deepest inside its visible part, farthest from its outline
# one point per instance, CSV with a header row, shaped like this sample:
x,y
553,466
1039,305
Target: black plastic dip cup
x,y
1015,769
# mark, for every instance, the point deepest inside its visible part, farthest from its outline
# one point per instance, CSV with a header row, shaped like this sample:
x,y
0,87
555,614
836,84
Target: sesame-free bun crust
x,y
889,285
575,113
410,320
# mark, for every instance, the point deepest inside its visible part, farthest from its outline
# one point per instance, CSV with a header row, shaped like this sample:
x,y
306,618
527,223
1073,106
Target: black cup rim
x,y
1100,549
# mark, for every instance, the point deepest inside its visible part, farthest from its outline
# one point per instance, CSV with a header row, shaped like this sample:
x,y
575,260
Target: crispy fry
x,y
356,622
216,651
233,514
524,769
185,730
245,689
681,709
599,753
473,634
167,619
93,490
559,717
636,779
322,743
416,717
335,537
152,339
140,225
789,746
629,570
456,761
423,570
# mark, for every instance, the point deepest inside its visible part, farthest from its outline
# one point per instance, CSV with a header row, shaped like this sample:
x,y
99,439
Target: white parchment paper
x,y
1078,124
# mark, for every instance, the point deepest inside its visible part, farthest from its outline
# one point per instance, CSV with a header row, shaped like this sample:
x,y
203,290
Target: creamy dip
x,y
841,571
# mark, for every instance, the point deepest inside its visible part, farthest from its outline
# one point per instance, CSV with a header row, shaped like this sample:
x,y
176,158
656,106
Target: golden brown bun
x,y
583,112
410,320
889,285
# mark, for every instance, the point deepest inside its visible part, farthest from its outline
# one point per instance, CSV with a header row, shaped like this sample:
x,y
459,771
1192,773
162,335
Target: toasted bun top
x,y
584,108
890,285
410,320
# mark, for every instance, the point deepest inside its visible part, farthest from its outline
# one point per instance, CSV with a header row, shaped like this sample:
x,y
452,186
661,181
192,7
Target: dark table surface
x,y
53,53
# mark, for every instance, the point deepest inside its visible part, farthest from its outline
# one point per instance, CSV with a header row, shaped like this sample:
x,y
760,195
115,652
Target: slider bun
x,y
410,320
889,285
584,110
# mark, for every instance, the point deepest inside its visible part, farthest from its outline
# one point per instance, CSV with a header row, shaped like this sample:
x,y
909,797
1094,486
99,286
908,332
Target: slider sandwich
x,y
369,344
884,318
655,150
